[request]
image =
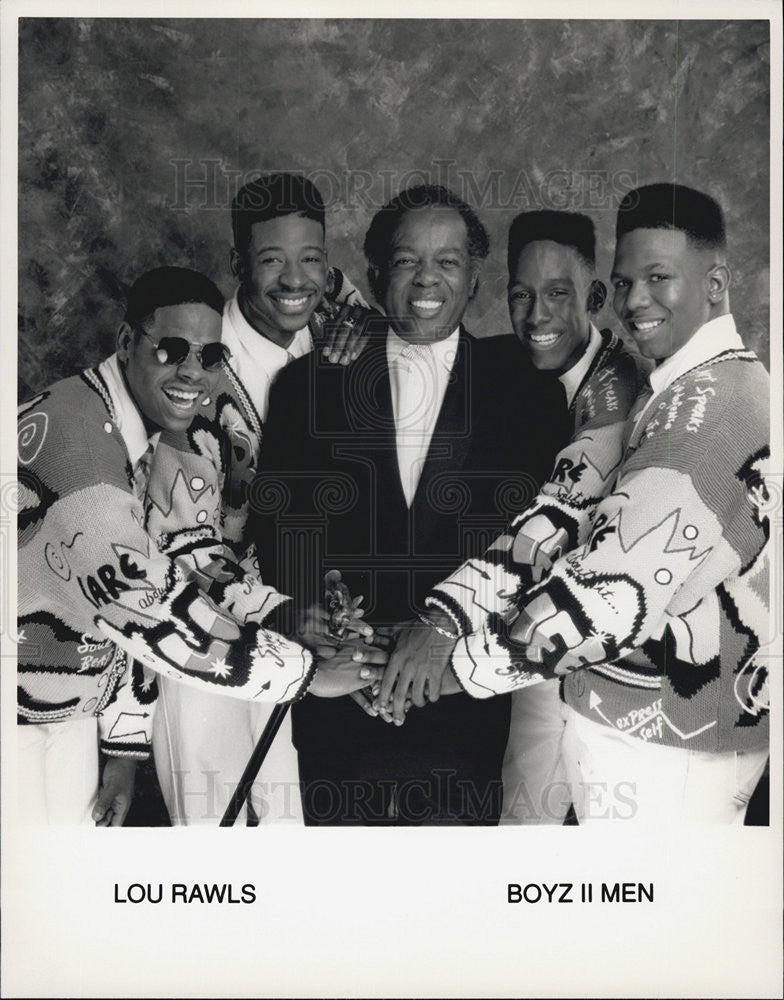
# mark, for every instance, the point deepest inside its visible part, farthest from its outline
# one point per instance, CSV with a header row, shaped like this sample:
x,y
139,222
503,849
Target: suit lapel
x,y
369,404
452,434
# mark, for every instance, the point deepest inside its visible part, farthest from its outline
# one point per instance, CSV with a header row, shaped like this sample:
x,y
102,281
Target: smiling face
x,y
430,276
283,274
664,289
548,304
168,396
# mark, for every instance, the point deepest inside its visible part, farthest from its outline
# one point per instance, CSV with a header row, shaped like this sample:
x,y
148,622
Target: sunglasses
x,y
175,350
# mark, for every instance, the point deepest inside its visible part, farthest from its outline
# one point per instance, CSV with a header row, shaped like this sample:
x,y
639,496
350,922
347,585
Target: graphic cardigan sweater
x,y
91,577
559,518
667,605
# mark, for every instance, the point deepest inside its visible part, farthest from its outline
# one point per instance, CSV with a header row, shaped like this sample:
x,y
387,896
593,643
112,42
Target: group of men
x,y
560,549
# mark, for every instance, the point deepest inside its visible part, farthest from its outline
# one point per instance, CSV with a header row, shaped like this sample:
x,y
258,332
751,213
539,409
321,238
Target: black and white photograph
x,y
398,445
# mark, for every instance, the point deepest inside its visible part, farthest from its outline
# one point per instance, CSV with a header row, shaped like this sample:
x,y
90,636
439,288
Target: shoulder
x,y
506,347
501,359
68,435
713,410
615,380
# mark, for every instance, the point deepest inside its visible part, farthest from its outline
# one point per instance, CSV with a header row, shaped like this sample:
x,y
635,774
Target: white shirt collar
x,y
128,419
254,357
716,336
572,378
251,348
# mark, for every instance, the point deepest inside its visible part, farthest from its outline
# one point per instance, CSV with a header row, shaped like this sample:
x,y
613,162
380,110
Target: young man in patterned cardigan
x,y
93,585
553,296
657,622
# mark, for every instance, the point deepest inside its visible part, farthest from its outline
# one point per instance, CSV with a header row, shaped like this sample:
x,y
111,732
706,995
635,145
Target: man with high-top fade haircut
x,y
554,296
657,623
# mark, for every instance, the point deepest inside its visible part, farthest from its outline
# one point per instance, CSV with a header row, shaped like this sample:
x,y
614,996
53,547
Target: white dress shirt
x,y
255,358
418,375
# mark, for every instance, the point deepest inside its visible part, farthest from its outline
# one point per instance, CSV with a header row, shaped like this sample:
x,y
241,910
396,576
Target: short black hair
x,y
378,240
571,229
169,286
269,197
673,206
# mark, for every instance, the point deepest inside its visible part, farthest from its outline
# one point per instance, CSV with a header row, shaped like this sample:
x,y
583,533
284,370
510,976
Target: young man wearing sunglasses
x,y
95,589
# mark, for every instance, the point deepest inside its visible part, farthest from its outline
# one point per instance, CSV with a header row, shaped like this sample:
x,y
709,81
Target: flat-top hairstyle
x,y
571,229
169,286
673,206
269,197
378,241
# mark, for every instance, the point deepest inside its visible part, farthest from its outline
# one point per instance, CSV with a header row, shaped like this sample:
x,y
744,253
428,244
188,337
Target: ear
x,y
597,296
718,282
124,342
474,281
374,283
236,264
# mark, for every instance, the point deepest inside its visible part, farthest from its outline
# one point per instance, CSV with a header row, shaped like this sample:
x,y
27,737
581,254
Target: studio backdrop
x,y
134,135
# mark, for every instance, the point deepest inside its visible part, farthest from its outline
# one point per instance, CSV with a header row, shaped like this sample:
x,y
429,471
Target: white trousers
x,y
555,755
201,744
617,777
58,772
535,786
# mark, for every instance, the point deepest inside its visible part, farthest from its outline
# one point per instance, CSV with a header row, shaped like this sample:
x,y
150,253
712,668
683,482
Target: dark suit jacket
x,y
329,496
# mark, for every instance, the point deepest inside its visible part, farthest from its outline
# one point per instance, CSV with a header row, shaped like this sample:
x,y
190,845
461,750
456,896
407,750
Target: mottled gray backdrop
x,y
134,135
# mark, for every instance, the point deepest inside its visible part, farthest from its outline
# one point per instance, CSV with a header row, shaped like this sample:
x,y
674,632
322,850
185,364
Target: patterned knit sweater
x,y
91,577
559,518
667,605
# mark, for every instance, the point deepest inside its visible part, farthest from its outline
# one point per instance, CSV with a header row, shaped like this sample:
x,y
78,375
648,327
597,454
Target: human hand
x,y
314,630
348,668
116,792
345,336
416,666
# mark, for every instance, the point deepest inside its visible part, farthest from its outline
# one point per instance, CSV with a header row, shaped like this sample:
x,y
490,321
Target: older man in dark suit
x,y
394,470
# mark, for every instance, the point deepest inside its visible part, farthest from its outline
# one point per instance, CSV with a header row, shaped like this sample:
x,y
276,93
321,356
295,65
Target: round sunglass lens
x,y
176,349
212,355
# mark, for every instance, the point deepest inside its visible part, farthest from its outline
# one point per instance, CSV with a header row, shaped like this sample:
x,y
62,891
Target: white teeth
x,y
544,339
426,304
648,325
181,398
182,393
292,302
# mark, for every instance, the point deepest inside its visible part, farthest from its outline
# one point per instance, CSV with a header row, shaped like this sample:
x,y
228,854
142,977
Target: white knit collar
x,y
127,416
716,336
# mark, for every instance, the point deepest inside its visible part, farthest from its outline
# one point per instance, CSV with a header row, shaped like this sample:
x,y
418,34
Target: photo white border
x,y
384,912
